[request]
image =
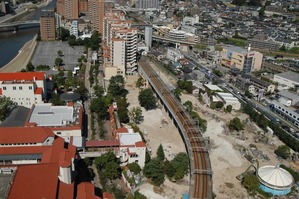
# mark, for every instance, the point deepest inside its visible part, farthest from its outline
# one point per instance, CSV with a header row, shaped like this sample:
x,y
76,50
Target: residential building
x,y
244,81
190,20
145,4
25,89
83,6
69,9
47,26
263,44
74,29
131,147
148,33
96,13
34,163
239,58
173,54
289,79
120,44
189,29
64,121
176,34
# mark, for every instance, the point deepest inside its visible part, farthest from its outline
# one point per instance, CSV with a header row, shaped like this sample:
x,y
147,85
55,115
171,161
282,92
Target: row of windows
x,y
15,88
287,112
18,144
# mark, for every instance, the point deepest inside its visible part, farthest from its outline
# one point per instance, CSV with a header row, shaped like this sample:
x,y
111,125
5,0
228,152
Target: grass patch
x,y
233,41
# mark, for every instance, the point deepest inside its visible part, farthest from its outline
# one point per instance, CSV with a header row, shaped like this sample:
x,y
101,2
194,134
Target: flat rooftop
x,y
55,116
129,138
213,87
6,181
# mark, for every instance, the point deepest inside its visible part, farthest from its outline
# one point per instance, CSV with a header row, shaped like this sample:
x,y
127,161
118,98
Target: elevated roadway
x,y
200,166
175,41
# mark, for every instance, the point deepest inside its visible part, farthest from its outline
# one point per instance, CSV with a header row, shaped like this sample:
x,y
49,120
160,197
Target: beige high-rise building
x,y
120,44
47,25
96,13
69,9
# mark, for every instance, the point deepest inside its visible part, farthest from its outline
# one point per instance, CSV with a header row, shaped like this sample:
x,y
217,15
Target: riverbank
x,y
22,59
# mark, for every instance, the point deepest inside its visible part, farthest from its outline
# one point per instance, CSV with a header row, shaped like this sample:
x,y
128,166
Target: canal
x,y
11,43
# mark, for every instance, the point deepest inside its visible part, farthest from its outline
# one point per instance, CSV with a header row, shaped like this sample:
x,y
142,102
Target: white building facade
x,y
148,33
25,89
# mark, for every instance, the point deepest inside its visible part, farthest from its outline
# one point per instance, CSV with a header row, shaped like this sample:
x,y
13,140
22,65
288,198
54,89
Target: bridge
x,y
19,24
175,41
200,186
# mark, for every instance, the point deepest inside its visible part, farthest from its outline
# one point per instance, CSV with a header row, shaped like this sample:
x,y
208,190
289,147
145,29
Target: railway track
x,y
200,167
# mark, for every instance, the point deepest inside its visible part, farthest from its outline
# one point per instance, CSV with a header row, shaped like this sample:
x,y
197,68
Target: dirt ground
x,y
158,129
225,154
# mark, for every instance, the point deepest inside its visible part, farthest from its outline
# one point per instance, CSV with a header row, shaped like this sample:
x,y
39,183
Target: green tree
x,y
169,169
236,124
117,86
101,161
189,106
135,114
6,106
62,33
72,41
180,164
251,183
154,171
185,85
136,195
147,99
140,82
283,151
201,122
122,109
134,167
177,93
29,67
59,53
112,170
56,101
160,153
229,108
283,48
58,61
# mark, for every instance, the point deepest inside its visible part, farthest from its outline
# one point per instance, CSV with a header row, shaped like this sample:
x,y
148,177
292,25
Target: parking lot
x,y
46,53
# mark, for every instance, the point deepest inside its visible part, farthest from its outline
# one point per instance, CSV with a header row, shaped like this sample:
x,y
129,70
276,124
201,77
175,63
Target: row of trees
x,y
201,122
258,118
158,167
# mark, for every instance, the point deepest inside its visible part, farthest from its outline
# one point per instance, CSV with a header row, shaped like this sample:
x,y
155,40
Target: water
x,y
11,43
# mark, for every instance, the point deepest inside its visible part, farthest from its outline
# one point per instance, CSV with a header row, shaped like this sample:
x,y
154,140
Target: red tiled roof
x,y
35,181
140,144
38,91
86,191
65,190
122,130
9,135
0,91
101,143
27,76
107,195
19,150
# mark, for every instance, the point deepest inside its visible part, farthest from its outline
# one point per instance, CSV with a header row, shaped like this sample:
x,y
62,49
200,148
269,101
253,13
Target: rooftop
x,y
289,95
19,76
213,87
129,138
55,116
289,75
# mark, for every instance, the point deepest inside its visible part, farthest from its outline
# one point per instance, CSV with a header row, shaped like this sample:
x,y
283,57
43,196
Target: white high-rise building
x,y
148,36
74,29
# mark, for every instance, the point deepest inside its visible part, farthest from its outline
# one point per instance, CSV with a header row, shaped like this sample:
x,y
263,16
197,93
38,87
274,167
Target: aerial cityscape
x,y
149,99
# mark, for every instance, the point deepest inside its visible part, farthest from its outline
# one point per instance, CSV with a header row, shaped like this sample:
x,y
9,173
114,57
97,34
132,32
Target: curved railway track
x,y
200,167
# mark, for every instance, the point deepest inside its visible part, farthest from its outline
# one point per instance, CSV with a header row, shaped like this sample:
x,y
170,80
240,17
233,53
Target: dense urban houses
x,y
25,89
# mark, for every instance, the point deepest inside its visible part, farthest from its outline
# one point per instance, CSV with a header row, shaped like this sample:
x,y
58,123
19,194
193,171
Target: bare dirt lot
x,y
226,147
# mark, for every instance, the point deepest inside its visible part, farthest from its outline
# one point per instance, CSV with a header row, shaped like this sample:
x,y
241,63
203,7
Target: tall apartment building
x,y
145,4
120,45
69,9
148,36
47,25
74,29
83,6
25,89
239,58
96,14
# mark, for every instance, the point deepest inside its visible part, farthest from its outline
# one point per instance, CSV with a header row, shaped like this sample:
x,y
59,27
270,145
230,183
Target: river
x,y
11,43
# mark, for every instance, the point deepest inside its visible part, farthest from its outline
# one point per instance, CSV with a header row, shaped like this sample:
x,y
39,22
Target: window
x,y
4,87
14,88
30,87
58,133
20,88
